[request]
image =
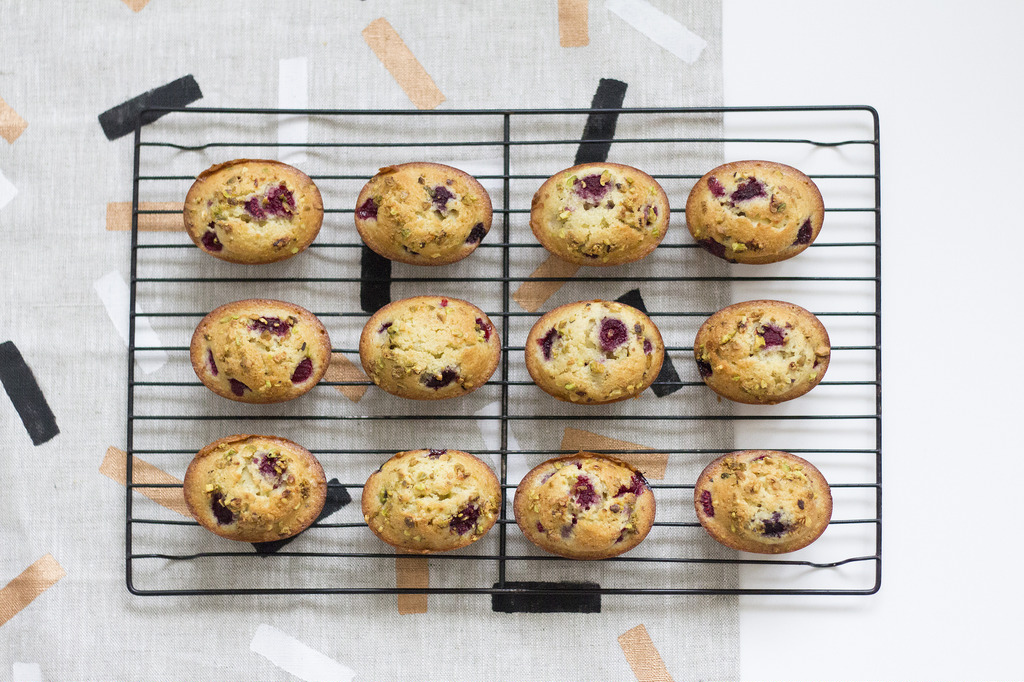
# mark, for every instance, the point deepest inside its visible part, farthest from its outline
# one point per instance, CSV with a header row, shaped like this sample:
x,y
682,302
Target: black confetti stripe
x,y
547,602
24,392
667,382
375,281
337,498
601,126
121,120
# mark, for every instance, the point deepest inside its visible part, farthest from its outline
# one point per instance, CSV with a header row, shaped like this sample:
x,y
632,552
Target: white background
x,y
946,80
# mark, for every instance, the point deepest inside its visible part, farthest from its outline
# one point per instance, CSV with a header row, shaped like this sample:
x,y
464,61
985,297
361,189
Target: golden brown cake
x,y
423,213
253,211
260,351
600,214
594,352
425,501
429,347
585,506
762,352
754,211
255,488
763,501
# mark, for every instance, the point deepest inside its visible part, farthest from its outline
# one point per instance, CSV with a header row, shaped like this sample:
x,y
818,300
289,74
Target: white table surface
x,y
946,80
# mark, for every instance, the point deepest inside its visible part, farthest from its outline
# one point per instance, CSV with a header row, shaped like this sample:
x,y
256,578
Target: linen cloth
x,y
65,171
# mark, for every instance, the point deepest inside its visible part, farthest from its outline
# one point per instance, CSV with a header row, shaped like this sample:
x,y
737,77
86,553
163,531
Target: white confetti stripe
x,y
490,431
27,672
114,292
7,190
517,468
292,93
659,27
478,167
294,657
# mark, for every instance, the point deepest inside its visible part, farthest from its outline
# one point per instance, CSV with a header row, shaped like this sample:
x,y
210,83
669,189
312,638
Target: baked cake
x,y
762,352
253,211
585,506
600,214
763,501
425,501
423,213
594,352
255,488
429,347
260,351
755,211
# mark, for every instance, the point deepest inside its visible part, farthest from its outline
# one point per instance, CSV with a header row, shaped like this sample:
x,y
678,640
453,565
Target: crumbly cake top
x,y
600,214
762,351
255,488
594,352
423,213
253,211
586,506
260,350
754,211
431,500
763,501
429,347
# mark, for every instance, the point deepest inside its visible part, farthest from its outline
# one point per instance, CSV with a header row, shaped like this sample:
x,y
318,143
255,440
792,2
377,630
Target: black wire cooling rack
x,y
839,146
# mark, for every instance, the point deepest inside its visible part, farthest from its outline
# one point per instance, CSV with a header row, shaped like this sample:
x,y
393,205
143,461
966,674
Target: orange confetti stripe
x,y
119,216
573,28
412,572
115,466
531,295
642,657
136,5
33,581
342,369
652,464
397,58
11,124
